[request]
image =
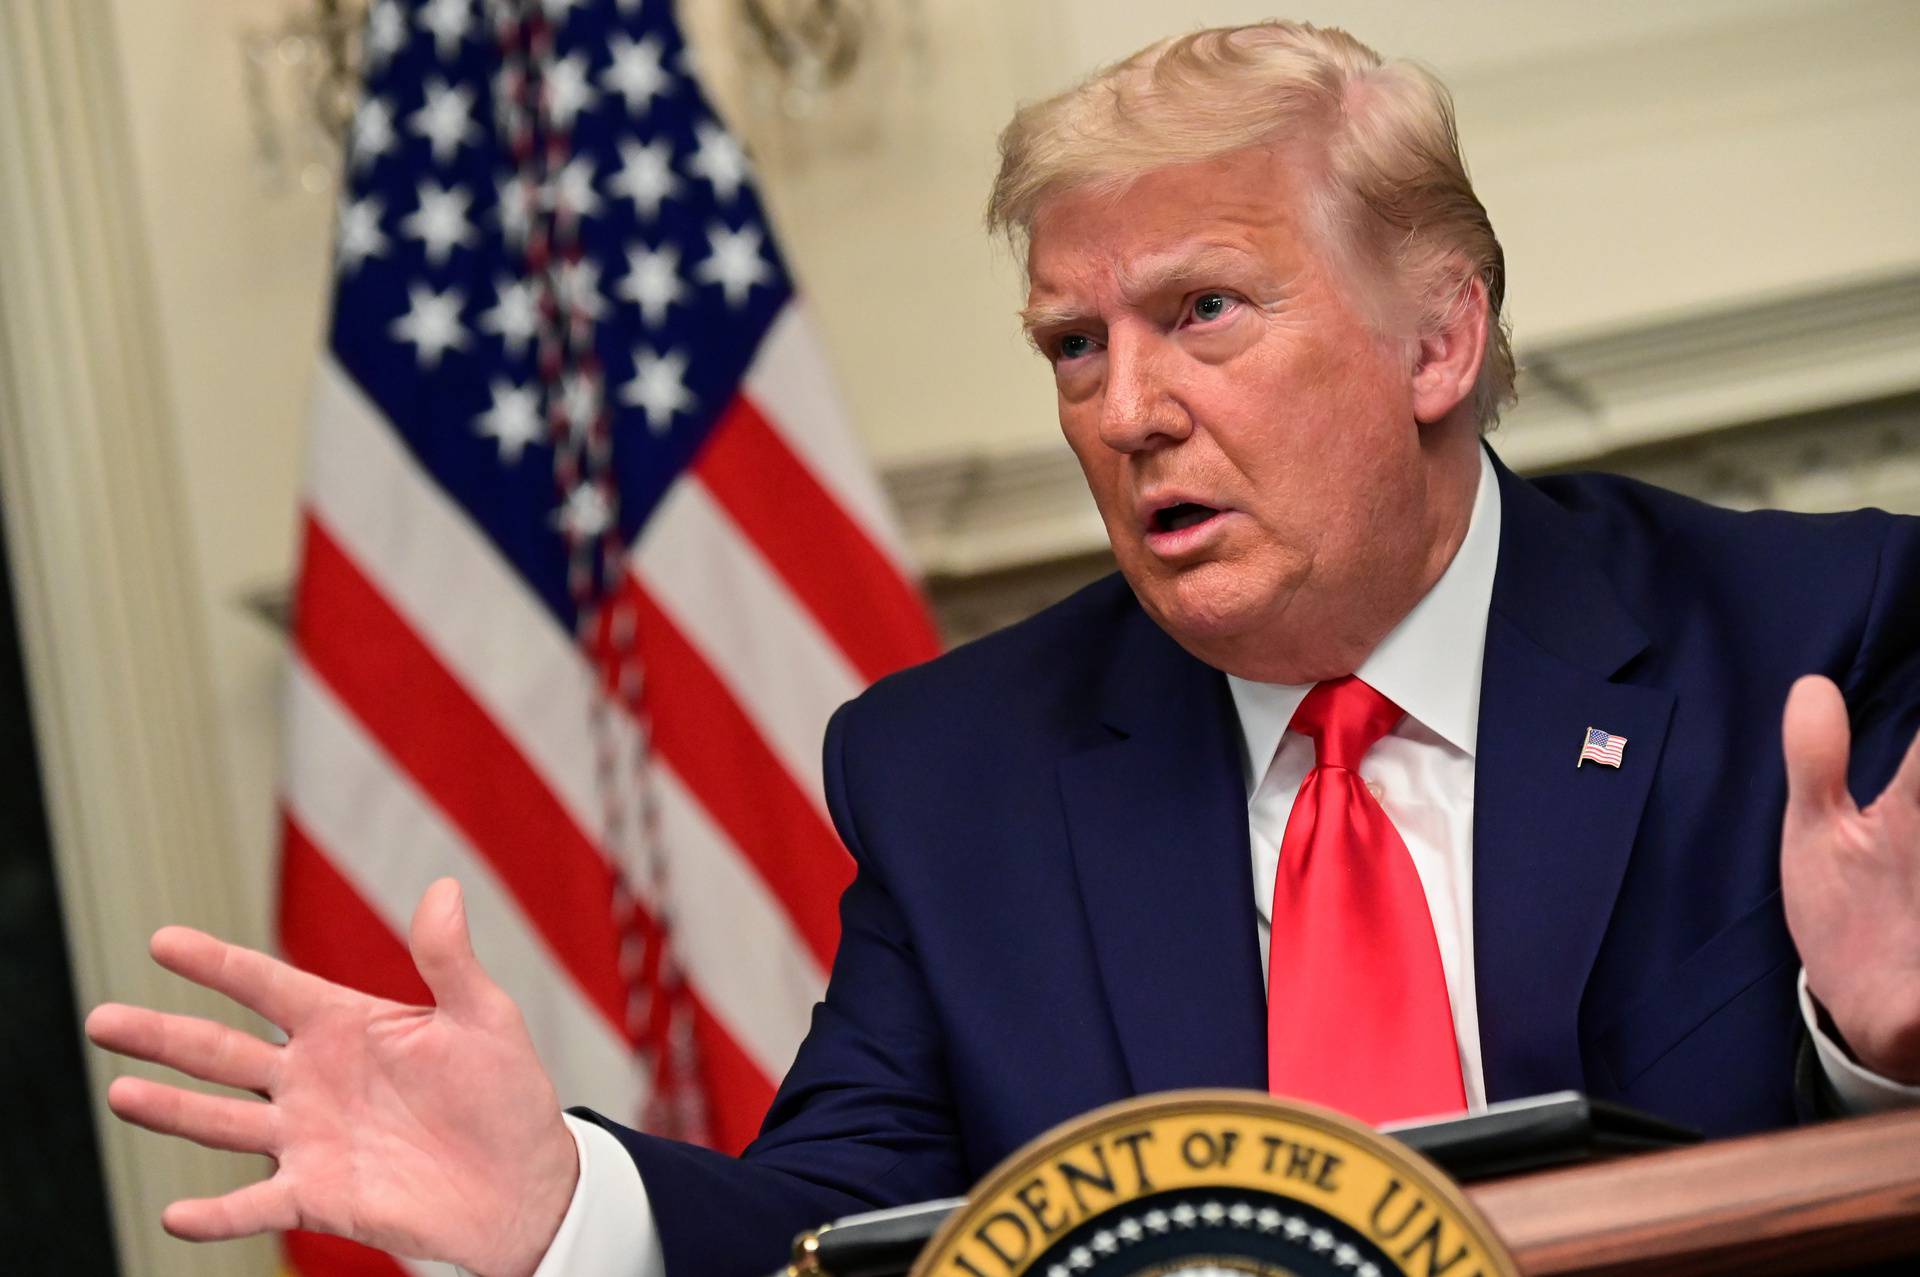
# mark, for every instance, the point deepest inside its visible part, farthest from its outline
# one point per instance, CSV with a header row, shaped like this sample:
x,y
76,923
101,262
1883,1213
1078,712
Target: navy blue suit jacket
x,y
1054,908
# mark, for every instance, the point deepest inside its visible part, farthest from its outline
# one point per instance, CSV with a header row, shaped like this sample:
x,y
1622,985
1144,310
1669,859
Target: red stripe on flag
x,y
696,725
317,1255
872,613
328,929
464,763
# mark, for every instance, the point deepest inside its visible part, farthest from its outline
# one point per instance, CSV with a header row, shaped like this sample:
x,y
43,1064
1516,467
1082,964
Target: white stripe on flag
x,y
391,843
749,972
792,384
731,604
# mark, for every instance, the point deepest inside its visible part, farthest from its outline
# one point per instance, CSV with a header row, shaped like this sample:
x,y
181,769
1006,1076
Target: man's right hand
x,y
432,1132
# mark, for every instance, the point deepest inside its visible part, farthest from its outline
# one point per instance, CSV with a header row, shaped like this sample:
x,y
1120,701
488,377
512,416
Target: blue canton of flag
x,y
1601,747
549,245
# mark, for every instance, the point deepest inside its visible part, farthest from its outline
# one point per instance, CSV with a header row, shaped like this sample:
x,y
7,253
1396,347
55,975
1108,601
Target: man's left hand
x,y
1850,881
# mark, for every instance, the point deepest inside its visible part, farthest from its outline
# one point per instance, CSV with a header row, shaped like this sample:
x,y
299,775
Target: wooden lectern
x,y
1819,1199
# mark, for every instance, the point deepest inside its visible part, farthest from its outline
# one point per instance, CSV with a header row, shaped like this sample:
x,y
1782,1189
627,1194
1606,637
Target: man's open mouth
x,y
1184,515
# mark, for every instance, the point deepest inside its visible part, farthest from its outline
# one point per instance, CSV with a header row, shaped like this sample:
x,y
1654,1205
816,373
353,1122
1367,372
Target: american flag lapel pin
x,y
1601,747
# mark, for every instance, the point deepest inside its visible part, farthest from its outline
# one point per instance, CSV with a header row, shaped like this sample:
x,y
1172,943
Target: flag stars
x,y
440,223
432,323
646,176
567,90
736,264
386,32
446,120
576,285
513,206
653,282
515,316
719,159
449,21
586,513
372,135
572,190
659,387
358,234
513,421
580,402
636,73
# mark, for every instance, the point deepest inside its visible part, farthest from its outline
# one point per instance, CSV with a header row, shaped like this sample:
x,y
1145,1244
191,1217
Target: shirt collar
x,y
1429,664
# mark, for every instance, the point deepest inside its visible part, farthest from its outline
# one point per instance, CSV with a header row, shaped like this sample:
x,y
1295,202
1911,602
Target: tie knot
x,y
1345,718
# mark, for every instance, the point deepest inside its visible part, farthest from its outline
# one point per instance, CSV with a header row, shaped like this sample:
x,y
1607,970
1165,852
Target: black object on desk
x,y
1533,1134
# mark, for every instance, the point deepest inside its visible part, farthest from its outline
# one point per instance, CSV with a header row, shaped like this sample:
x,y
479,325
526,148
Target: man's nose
x,y
1139,410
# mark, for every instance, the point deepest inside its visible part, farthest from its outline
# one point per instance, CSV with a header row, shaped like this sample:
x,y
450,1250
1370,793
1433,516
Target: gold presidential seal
x,y
1215,1184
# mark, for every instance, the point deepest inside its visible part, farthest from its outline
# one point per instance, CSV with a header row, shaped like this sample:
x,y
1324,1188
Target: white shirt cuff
x,y
608,1228
1861,1090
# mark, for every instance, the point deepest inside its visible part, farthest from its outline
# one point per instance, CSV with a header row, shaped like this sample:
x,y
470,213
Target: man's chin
x,y
1237,621
1204,606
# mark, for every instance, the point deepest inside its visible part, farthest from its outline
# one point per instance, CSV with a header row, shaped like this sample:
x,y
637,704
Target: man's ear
x,y
1447,359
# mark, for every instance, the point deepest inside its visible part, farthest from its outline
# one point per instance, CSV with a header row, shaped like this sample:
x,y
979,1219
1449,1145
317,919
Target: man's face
x,y
1249,438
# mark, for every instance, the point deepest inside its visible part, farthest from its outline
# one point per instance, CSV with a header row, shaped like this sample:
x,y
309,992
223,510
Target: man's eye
x,y
1210,306
1074,345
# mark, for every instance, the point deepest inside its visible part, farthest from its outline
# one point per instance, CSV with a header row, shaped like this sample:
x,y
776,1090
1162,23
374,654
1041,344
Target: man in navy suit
x,y
1275,331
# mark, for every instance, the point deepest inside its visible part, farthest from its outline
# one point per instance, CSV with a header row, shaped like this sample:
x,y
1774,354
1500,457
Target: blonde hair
x,y
1392,191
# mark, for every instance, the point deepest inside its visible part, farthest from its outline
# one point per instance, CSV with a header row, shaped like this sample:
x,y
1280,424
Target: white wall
x,y
240,277
1638,160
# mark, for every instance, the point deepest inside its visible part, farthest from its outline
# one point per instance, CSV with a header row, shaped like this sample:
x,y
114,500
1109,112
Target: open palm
x,y
1850,881
428,1131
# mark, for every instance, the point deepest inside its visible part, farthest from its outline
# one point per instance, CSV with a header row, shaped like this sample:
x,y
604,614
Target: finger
x,y
443,951
265,1207
217,1121
1814,735
199,1048
263,985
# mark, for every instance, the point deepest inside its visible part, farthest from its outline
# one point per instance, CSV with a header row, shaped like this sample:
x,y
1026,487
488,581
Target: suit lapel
x,y
1157,819
1551,840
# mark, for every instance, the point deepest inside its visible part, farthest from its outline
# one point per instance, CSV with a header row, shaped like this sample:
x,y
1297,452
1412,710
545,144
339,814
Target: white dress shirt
x,y
1422,775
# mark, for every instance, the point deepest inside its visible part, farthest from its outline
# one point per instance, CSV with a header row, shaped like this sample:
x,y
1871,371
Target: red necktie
x,y
1357,1011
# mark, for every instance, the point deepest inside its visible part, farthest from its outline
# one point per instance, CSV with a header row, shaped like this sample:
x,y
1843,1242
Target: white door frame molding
x,y
106,591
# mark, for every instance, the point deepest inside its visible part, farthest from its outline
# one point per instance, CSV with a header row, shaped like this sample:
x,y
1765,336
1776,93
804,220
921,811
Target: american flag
x,y
1601,747
590,555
